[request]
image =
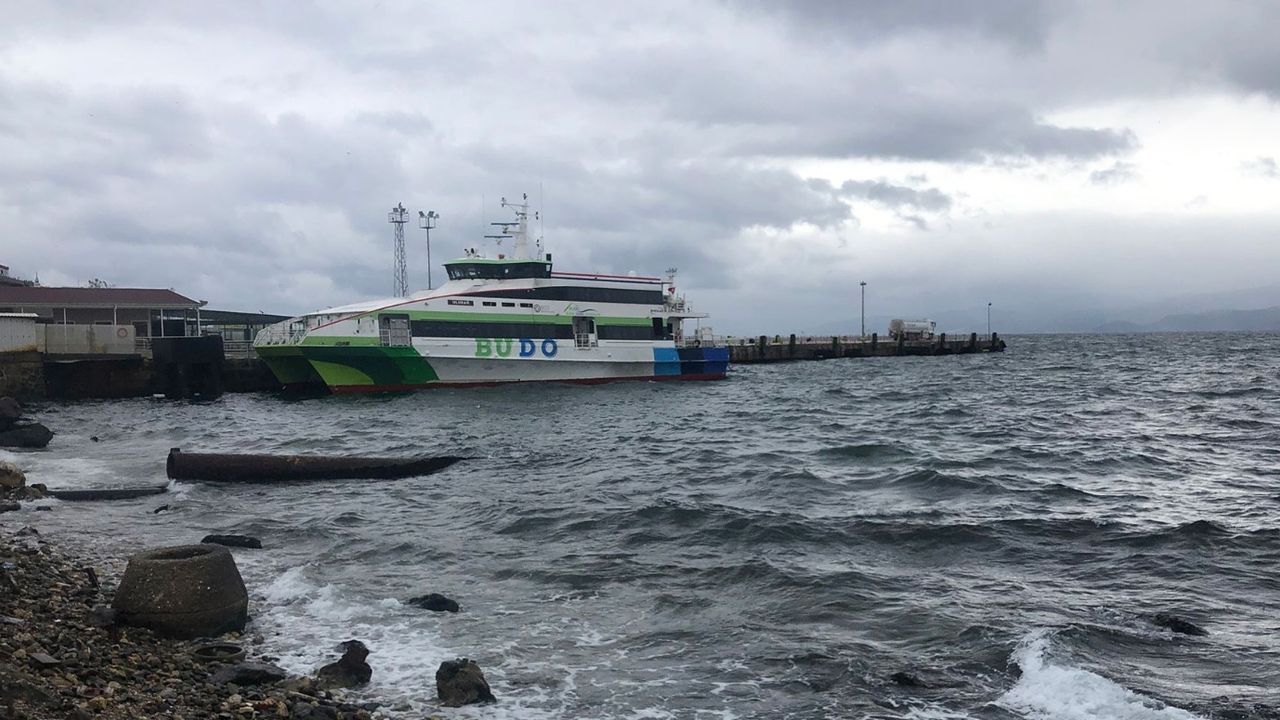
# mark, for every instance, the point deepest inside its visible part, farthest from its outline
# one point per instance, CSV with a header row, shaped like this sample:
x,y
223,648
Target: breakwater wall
x,y
780,348
33,376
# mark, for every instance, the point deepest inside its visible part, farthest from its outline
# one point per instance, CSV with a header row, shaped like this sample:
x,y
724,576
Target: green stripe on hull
x,y
369,366
288,365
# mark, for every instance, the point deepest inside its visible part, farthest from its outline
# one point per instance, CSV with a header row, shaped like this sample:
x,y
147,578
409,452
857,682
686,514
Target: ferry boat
x,y
506,319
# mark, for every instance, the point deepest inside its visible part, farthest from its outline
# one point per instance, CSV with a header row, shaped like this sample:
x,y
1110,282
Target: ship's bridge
x,y
477,268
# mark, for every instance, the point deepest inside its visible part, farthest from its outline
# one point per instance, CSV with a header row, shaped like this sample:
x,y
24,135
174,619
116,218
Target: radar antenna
x,y
517,230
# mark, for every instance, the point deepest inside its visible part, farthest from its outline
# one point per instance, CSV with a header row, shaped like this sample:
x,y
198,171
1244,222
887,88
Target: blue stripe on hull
x,y
690,361
666,361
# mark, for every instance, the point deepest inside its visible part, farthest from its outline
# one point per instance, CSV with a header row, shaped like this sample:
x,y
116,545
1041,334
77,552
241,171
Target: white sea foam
x,y
304,621
1051,689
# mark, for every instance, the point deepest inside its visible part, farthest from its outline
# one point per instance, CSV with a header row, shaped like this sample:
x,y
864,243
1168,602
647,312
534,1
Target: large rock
x,y
435,602
11,478
240,541
31,435
460,682
350,670
187,591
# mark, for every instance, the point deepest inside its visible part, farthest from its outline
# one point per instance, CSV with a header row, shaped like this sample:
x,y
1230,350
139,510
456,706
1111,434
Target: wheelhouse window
x,y
498,271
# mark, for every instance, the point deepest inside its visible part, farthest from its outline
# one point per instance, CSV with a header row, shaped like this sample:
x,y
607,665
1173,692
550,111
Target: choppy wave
x,y
1056,689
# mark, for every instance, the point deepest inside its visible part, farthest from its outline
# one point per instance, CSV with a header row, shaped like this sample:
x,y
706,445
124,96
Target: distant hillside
x,y
1264,320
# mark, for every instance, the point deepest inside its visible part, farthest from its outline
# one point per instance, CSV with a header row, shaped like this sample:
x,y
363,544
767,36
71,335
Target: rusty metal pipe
x,y
220,467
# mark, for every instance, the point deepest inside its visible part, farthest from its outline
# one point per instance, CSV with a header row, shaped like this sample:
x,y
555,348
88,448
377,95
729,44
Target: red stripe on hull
x,y
364,389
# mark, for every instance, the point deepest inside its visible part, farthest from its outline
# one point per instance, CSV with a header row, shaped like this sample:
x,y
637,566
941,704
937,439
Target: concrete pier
x,y
778,348
32,376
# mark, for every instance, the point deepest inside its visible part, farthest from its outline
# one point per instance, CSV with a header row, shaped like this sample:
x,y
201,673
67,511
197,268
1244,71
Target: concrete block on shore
x,y
187,591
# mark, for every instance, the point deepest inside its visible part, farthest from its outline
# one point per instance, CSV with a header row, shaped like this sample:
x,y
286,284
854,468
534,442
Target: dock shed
x,y
107,318
238,329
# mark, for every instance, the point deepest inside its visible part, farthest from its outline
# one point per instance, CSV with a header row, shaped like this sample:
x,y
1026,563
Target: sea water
x,y
776,545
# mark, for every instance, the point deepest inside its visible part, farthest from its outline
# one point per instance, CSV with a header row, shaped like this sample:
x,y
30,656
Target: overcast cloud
x,y
1045,156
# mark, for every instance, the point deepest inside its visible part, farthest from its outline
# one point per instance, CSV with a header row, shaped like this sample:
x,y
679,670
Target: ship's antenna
x,y
542,210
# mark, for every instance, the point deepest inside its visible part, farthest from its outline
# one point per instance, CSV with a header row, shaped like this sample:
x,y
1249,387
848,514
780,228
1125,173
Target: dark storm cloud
x,y
1115,174
840,106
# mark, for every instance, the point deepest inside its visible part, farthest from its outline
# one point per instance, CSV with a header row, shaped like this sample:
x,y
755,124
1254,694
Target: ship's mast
x,y
517,231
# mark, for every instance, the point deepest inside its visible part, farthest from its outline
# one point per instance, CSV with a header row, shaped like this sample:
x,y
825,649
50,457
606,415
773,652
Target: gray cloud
x,y
1023,24
892,195
1117,173
1264,166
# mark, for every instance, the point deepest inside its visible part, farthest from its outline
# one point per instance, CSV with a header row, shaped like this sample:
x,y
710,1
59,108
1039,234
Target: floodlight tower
x,y
427,221
863,284
397,217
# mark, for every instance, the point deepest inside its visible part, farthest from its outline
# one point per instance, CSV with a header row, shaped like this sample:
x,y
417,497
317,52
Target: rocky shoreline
x,y
62,656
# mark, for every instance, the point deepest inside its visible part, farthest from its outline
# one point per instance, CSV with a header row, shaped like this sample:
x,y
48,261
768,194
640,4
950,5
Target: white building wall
x,y
19,333
89,339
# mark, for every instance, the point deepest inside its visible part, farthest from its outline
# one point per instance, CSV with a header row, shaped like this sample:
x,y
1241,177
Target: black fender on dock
x,y
223,467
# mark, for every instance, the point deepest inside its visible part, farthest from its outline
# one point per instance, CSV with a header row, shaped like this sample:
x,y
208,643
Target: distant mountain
x,y
1263,320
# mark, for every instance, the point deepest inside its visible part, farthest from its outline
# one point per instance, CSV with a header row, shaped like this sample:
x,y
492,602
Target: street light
x,y
864,308
426,221
988,319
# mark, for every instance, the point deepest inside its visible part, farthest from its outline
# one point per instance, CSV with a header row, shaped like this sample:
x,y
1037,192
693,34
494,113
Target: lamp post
x,y
426,221
988,320
863,284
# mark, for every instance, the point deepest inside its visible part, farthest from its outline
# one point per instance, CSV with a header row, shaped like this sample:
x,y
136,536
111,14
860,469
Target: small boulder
x,y
162,508
307,711
245,674
350,670
31,435
10,411
11,478
241,541
435,602
9,507
460,682
43,660
1179,625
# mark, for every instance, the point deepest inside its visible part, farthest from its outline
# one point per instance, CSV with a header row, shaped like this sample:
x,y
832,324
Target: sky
x,y
1067,162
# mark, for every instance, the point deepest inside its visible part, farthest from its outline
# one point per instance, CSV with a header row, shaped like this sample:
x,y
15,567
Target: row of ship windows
x,y
436,328
578,294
